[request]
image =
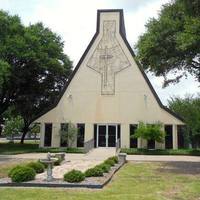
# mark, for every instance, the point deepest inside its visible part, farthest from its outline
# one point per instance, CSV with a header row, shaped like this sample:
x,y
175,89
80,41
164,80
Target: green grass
x,y
134,151
17,148
137,181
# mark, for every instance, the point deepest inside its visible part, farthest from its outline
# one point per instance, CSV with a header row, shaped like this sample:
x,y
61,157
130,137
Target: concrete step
x,y
100,153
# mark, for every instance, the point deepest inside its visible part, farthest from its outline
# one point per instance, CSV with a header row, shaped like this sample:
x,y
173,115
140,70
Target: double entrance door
x,y
106,135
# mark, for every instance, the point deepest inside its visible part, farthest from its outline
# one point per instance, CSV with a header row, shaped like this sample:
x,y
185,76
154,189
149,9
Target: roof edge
x,y
122,32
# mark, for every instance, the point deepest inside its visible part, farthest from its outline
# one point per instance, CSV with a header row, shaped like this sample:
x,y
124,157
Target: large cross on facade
x,y
108,58
105,57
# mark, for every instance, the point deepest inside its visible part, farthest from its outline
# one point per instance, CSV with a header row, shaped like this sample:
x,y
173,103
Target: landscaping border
x,y
62,184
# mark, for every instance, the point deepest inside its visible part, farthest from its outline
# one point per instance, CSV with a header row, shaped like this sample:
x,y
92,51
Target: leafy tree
x,y
69,133
172,42
150,132
13,127
37,66
189,109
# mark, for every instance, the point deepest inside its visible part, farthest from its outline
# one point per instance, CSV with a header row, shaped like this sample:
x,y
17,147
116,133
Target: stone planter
x,y
60,155
122,157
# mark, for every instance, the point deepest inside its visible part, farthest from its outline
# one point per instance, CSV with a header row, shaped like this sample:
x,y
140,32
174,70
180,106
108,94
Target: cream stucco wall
x,y
83,102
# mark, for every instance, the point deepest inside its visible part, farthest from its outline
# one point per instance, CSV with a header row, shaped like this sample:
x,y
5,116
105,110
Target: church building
x,y
108,94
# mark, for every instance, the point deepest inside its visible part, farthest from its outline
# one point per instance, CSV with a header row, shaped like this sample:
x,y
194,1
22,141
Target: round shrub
x,y
22,173
74,176
105,167
37,166
13,169
109,162
44,164
95,171
114,158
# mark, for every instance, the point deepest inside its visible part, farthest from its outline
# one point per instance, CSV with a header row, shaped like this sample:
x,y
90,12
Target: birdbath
x,y
49,161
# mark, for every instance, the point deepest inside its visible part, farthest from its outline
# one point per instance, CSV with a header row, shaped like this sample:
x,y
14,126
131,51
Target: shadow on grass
x,y
189,168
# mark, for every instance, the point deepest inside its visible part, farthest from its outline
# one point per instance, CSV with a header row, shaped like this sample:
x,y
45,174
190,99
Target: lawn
x,y
32,147
135,151
138,181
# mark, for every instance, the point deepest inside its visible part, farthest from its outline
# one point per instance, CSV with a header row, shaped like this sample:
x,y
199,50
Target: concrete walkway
x,y
100,153
157,158
80,162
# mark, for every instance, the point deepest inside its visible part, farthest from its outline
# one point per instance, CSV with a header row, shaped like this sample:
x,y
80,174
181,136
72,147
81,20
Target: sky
x,y
75,22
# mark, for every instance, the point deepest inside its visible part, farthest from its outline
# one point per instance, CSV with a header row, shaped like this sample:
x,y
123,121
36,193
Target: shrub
x,y
74,176
57,162
37,166
44,164
22,173
109,162
105,167
114,158
13,169
95,171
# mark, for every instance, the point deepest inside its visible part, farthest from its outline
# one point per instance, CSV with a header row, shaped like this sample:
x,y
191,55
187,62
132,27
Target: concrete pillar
x,y
159,145
144,143
89,132
55,140
139,143
125,136
175,139
42,133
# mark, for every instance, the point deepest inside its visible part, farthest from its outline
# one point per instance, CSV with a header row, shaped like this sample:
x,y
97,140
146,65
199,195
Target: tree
x,y
189,109
13,127
172,42
150,132
38,67
69,133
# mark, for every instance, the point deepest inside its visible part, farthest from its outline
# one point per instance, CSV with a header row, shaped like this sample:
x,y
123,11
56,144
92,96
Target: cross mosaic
x,y
108,58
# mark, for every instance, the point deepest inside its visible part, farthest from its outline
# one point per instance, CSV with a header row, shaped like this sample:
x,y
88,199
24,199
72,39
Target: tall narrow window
x,y
133,141
63,135
48,134
168,137
95,135
81,135
180,136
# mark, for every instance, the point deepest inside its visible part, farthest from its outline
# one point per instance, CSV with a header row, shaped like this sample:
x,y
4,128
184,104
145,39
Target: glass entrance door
x,y
102,135
112,130
106,135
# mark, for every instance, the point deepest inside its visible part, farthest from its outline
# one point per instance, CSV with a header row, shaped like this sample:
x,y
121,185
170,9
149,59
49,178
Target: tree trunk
x,y
24,132
1,122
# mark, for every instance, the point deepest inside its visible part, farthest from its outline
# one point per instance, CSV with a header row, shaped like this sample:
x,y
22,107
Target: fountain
x,y
49,161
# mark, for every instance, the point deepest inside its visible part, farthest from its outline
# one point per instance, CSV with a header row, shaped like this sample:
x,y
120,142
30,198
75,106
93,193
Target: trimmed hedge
x,y
105,167
74,176
44,164
135,151
95,172
22,174
114,158
110,162
14,169
37,166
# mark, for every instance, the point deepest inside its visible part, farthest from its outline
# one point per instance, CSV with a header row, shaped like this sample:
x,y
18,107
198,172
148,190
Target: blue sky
x,y
75,22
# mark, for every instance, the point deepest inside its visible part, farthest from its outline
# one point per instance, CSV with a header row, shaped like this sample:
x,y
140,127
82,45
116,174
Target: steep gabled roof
x,y
123,35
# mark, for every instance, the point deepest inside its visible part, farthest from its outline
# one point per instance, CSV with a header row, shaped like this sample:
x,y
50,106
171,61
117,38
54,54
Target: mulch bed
x,y
89,182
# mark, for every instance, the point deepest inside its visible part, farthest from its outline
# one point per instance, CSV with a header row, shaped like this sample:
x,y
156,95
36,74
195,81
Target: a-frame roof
x,y
123,35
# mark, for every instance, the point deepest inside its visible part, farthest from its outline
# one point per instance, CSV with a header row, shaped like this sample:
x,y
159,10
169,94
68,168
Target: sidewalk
x,y
158,158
